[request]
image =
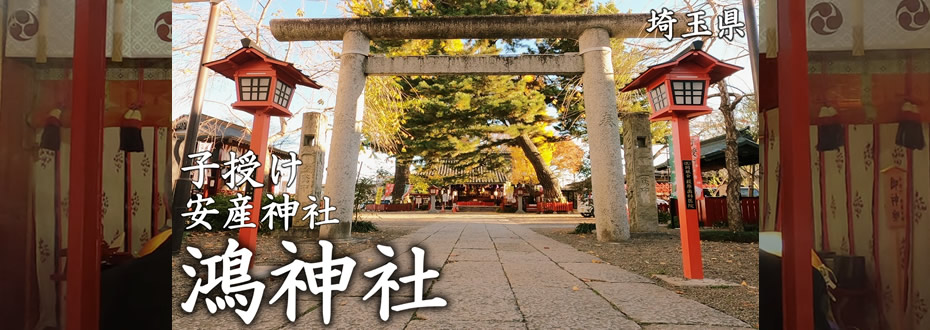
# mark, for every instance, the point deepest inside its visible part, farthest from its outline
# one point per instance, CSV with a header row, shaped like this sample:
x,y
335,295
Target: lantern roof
x,y
228,65
716,69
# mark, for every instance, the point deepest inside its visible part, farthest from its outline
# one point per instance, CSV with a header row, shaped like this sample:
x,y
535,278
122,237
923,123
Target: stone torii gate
x,y
593,61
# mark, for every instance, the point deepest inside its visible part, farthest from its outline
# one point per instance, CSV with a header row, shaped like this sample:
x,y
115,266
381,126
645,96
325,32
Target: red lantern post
x,y
265,87
677,91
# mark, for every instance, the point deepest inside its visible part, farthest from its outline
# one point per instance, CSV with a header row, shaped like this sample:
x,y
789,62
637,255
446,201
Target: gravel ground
x,y
270,252
660,253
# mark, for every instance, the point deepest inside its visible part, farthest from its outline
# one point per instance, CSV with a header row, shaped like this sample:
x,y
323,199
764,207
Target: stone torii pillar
x,y
600,106
347,135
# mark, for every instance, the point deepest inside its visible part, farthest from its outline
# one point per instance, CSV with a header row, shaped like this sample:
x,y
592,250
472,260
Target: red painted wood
x,y
713,210
259,146
688,219
17,249
83,276
795,201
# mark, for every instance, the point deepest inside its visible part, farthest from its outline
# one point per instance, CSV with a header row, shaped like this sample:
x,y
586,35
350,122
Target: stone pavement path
x,y
494,275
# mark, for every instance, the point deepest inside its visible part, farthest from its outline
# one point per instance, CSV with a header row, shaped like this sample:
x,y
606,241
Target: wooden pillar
x,y
259,146
795,209
687,216
83,277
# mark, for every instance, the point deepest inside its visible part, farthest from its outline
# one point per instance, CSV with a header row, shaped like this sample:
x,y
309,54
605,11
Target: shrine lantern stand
x,y
433,191
677,92
264,88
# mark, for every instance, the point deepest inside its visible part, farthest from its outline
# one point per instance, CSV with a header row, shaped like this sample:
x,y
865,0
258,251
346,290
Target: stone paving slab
x,y
462,254
493,275
687,327
268,316
571,308
649,303
602,272
513,245
473,301
539,274
475,244
522,256
465,325
705,282
354,313
490,273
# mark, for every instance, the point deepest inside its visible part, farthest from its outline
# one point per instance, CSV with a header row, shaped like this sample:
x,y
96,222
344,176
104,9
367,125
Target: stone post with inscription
x,y
312,154
640,173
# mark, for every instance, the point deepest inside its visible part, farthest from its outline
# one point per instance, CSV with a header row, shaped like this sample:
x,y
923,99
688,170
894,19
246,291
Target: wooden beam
x,y
565,64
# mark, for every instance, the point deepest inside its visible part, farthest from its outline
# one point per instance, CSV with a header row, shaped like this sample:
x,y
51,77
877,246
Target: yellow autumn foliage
x,y
521,169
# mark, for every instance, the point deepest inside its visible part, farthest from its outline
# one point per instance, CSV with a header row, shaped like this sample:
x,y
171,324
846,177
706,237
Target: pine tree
x,y
470,119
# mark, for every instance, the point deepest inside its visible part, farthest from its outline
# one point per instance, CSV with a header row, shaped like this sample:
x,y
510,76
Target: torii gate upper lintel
x,y
593,61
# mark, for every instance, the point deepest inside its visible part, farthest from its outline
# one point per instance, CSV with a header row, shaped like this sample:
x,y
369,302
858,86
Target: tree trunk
x,y
734,176
401,175
551,186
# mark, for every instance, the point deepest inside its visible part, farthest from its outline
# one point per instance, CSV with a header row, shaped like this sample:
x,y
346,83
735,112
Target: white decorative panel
x,y
829,25
114,189
150,31
897,24
145,25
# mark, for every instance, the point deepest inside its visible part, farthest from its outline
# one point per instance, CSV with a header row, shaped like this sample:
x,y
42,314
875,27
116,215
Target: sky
x,y
221,91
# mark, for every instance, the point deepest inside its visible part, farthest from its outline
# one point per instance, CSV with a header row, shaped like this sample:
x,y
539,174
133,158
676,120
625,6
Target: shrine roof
x,y
692,54
713,152
215,129
249,52
465,175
